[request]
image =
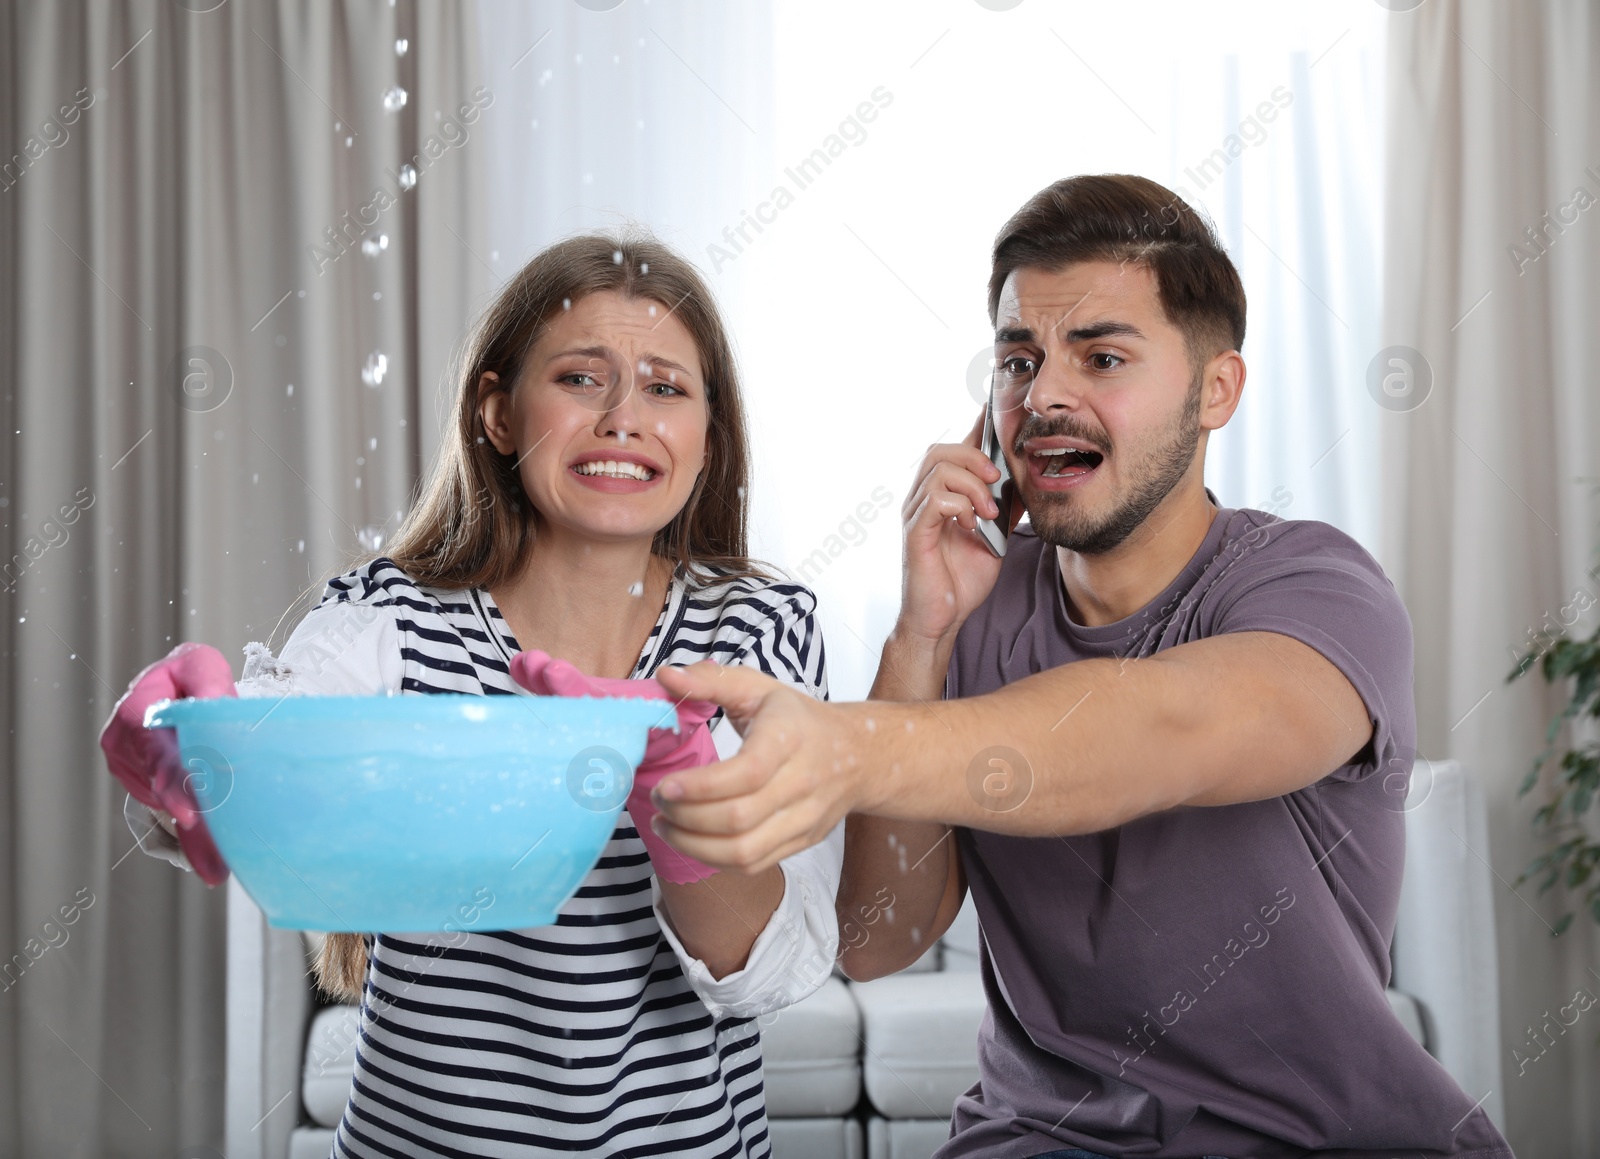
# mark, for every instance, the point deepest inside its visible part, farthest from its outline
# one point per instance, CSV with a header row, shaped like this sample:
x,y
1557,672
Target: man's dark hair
x,y
1118,217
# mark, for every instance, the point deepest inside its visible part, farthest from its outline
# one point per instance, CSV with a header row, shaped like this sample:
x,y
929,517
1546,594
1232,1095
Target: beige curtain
x,y
1493,284
186,312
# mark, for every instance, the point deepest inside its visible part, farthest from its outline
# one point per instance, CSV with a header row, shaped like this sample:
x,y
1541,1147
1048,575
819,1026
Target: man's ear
x,y
1221,384
494,412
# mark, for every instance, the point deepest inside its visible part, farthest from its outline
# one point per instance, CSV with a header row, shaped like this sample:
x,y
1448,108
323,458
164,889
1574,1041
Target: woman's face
x,y
608,418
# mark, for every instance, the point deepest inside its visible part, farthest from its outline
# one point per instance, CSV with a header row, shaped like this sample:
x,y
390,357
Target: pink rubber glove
x,y
666,752
146,760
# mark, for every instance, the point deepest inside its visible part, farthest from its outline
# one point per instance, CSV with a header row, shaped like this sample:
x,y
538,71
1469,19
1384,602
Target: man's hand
x,y
796,776
948,571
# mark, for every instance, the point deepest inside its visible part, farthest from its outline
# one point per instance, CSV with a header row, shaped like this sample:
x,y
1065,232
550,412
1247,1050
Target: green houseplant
x,y
1574,856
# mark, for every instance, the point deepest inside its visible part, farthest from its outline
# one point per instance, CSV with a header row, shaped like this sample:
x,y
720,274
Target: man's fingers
x,y
949,455
785,833
738,689
740,775
939,509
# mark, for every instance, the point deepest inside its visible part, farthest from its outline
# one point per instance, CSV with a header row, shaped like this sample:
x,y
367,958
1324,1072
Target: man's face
x,y
1096,400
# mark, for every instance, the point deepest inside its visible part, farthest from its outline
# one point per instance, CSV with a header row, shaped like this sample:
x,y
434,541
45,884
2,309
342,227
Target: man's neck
x,y
1102,589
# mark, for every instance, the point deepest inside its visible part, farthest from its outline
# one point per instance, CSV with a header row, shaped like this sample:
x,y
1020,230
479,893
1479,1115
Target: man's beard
x,y
1058,517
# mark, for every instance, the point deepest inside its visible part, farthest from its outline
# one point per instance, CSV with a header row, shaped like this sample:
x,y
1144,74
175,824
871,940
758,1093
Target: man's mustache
x,y
1065,426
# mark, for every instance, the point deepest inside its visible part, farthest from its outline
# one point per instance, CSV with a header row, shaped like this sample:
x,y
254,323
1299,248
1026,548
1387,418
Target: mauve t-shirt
x,y
1208,981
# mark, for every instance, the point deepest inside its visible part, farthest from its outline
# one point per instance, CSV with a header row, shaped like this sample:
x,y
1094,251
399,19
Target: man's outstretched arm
x,y
1237,717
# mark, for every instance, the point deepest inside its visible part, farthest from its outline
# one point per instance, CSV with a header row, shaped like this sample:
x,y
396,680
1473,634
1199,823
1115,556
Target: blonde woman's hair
x,y
473,524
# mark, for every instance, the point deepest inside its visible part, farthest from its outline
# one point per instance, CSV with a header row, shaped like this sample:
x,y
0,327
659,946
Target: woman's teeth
x,y
615,469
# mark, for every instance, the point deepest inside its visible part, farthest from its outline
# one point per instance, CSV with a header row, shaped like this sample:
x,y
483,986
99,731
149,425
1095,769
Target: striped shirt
x,y
600,1035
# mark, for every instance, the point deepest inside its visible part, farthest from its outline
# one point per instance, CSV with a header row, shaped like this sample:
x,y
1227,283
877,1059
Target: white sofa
x,y
870,1071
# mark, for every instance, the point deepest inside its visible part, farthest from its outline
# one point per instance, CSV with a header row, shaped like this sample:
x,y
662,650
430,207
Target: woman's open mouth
x,y
612,469
616,475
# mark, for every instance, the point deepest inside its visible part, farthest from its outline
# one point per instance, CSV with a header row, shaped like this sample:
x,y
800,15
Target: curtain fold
x,y
208,237
1491,449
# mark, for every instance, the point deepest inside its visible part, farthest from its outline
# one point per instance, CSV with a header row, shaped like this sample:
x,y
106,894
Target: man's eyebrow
x,y
1102,330
1013,334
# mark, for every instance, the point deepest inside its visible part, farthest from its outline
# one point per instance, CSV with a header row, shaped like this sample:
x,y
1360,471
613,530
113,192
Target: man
x,y
1172,751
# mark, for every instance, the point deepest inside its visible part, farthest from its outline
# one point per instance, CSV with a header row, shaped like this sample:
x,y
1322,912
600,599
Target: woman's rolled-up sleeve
x,y
795,952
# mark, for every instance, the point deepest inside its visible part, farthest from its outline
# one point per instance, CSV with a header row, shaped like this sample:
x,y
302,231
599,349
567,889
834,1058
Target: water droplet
x,y
377,295
361,461
349,141
534,124
373,246
338,127
74,656
289,390
372,444
616,257
652,310
741,492
298,294
408,176
394,99
376,367
577,58
494,255
872,725
644,267
636,588
566,303
401,45
300,547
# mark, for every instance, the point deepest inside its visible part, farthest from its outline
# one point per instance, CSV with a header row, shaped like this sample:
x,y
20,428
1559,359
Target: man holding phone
x,y
1171,756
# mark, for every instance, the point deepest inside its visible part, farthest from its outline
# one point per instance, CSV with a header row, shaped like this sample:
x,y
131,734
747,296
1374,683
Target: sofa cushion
x,y
812,1053
921,1048
330,1061
310,1143
905,1138
813,1139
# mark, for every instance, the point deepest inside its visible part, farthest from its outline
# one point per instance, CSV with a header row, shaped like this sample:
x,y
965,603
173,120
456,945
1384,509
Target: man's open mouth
x,y
1066,461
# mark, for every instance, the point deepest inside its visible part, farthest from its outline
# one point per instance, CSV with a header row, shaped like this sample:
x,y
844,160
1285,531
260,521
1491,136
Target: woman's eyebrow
x,y
660,364
583,352
654,360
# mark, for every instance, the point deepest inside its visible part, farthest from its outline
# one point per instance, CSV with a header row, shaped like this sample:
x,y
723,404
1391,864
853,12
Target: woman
x,y
590,503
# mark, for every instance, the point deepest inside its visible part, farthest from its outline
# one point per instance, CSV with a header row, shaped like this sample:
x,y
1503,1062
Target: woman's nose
x,y
621,417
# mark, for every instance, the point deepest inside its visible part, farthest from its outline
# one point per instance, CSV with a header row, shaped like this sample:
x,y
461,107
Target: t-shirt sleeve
x,y
1313,583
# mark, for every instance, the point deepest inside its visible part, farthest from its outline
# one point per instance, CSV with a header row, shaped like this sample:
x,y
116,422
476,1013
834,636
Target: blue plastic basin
x,y
411,813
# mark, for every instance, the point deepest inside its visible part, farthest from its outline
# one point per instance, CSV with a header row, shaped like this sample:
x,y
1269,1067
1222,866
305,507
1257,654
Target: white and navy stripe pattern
x,y
584,1037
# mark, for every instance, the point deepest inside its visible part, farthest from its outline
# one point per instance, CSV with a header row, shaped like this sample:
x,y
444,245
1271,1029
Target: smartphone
x,y
995,531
